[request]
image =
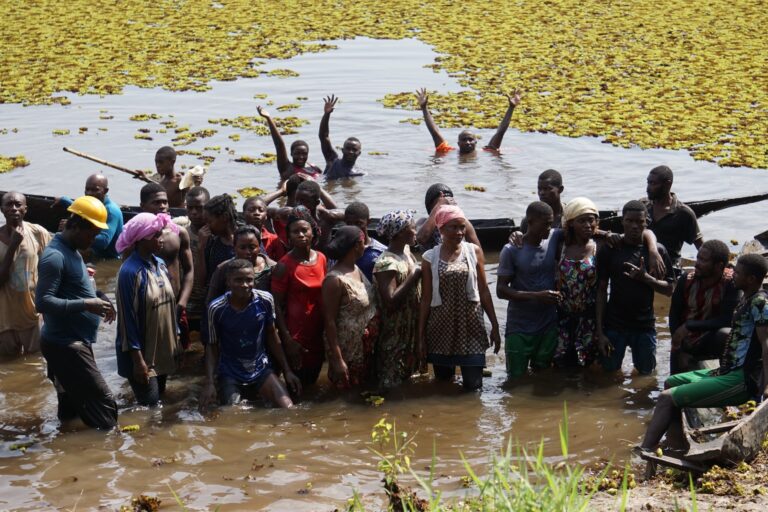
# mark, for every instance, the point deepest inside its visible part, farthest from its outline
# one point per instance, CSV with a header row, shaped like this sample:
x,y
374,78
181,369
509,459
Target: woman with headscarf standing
x,y
577,284
297,282
397,278
454,296
147,346
349,306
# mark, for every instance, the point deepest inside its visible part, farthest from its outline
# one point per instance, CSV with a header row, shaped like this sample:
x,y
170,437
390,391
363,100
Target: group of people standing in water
x,y
278,292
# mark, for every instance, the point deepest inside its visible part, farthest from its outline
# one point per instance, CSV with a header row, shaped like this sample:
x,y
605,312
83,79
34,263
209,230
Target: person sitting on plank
x,y
702,307
467,140
103,246
242,345
671,220
336,167
299,152
737,380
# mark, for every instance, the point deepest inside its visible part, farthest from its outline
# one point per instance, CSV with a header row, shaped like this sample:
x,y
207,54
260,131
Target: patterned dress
x,y
577,329
356,328
455,330
396,347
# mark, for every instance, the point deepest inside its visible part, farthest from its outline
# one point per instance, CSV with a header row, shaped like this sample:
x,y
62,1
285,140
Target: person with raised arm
x,y
467,140
336,167
299,152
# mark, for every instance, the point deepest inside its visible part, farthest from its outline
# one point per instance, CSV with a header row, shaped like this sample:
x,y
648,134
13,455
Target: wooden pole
x,y
136,174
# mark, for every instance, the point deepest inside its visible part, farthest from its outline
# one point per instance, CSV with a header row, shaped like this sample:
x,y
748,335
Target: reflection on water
x,y
230,458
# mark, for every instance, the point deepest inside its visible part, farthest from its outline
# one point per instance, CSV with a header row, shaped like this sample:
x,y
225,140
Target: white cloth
x,y
468,254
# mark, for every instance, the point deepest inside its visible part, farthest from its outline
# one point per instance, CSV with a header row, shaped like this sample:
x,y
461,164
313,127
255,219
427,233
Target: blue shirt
x,y
532,269
132,281
369,257
339,168
63,284
241,336
104,244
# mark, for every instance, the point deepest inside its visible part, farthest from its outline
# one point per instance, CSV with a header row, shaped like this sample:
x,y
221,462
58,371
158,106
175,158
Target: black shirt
x,y
630,305
678,226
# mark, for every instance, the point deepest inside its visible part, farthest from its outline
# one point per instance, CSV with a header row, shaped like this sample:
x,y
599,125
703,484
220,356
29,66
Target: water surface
x,y
231,458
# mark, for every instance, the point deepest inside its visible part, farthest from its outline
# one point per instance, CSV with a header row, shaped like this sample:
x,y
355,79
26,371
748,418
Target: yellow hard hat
x,y
91,209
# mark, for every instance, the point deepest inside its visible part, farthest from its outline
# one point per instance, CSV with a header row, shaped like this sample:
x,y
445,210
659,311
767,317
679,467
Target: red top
x,y
272,244
302,285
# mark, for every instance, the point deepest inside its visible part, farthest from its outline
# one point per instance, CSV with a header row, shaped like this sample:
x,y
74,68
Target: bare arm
x,y
276,351
426,300
186,262
495,142
423,99
337,367
486,300
602,299
638,273
283,164
325,139
392,296
505,291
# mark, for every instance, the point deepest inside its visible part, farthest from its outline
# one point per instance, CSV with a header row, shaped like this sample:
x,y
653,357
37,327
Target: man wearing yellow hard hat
x,y
66,296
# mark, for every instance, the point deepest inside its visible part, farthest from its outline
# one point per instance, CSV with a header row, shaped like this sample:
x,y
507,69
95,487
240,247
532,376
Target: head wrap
x,y
578,206
394,222
142,227
303,213
446,213
187,181
345,238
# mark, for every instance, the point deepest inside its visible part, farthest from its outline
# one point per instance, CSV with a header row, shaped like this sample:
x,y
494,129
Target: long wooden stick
x,y
135,174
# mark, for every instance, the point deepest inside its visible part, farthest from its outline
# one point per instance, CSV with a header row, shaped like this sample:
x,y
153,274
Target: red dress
x,y
273,245
302,285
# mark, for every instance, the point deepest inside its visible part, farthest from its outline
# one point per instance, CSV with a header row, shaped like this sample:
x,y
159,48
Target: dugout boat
x,y
493,233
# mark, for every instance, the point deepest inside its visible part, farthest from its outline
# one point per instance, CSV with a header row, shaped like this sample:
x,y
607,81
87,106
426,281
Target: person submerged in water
x,y
467,141
336,167
299,152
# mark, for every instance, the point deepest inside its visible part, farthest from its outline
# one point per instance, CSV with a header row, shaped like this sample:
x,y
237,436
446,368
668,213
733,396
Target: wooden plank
x,y
715,429
673,462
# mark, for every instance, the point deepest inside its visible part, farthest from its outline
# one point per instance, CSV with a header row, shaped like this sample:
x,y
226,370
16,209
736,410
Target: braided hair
x,y
223,205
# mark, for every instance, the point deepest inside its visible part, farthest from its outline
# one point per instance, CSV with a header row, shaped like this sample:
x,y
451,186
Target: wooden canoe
x,y
739,440
493,233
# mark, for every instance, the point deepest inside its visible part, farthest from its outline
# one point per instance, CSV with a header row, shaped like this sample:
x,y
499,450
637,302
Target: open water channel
x,y
313,457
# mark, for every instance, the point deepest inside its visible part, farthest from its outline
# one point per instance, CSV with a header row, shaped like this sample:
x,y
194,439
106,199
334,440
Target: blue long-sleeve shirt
x,y
63,285
104,244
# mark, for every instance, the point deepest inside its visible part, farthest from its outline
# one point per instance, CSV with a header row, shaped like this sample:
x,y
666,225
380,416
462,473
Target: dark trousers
x,y
149,394
710,346
471,376
81,388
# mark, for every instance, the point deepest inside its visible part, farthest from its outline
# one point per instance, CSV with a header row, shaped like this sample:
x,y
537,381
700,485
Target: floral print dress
x,y
577,327
396,354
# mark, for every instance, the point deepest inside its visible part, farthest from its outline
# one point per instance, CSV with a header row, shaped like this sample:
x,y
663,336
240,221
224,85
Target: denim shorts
x,y
641,343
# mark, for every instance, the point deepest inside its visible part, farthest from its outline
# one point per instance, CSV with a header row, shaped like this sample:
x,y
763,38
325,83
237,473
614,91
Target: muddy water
x,y
248,457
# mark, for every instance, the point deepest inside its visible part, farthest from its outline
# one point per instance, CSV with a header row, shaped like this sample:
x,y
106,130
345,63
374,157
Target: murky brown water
x,y
231,459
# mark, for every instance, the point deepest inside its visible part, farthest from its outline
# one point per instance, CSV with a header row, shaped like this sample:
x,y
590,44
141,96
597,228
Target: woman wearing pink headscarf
x,y
147,346
454,296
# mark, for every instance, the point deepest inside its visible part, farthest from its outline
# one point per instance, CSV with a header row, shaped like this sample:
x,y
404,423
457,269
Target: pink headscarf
x,y
446,213
143,226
